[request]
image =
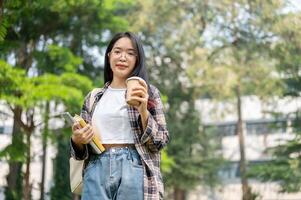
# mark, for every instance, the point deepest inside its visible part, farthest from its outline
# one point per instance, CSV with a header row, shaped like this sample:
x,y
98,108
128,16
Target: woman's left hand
x,y
140,94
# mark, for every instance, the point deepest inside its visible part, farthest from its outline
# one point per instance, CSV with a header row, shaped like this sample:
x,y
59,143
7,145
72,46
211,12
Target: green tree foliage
x,y
3,22
193,151
12,79
239,63
30,93
61,59
78,25
3,25
285,165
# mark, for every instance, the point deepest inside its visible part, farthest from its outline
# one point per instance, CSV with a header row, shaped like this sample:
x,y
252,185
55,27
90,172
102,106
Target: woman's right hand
x,y
81,136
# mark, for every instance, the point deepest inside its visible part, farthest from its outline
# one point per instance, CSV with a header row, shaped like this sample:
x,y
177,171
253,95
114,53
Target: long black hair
x,y
139,69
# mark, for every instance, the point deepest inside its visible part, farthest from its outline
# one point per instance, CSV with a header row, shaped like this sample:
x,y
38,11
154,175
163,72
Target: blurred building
x,y
261,130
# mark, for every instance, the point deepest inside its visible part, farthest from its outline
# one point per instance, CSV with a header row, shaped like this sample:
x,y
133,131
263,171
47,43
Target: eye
x,y
116,51
132,53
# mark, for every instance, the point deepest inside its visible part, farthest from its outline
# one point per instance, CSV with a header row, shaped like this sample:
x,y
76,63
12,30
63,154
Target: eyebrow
x,y
130,49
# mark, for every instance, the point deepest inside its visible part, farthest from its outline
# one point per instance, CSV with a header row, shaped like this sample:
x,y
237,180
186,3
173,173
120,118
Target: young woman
x,y
133,136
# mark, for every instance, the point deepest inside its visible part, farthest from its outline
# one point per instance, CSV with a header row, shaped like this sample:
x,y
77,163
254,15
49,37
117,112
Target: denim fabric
x,y
116,174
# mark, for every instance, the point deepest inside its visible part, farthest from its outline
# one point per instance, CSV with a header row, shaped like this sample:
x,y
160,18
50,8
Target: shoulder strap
x,y
92,97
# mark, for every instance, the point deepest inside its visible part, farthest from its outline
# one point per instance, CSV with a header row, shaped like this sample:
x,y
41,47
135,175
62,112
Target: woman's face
x,y
122,58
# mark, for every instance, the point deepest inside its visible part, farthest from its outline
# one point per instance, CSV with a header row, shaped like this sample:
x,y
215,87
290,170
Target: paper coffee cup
x,y
130,84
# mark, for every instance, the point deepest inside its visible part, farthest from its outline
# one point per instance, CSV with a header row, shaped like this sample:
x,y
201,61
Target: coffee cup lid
x,y
134,77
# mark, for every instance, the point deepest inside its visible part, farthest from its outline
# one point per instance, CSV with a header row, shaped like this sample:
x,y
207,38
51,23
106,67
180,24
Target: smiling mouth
x,y
121,66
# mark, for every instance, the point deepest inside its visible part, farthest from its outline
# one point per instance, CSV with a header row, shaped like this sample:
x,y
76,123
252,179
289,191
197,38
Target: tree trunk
x,y
28,130
179,194
44,141
242,163
75,197
26,189
15,167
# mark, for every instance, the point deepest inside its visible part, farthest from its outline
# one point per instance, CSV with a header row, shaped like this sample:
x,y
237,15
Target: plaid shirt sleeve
x,y
155,136
75,153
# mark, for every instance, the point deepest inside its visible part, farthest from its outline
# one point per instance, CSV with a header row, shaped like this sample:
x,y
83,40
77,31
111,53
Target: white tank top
x,y
110,119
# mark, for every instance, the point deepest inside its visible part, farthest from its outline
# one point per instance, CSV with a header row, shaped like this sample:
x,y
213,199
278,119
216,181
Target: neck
x,y
118,83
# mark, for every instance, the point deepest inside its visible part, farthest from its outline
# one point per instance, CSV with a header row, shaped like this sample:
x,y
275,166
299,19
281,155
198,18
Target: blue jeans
x,y
116,174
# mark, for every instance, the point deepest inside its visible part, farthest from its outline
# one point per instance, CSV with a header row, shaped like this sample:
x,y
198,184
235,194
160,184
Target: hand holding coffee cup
x,y
136,91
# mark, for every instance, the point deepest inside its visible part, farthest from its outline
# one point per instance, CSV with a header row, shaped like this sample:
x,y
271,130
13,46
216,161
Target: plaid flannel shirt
x,y
148,143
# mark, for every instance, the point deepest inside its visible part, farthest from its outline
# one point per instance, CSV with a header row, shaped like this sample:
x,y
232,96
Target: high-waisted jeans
x,y
116,174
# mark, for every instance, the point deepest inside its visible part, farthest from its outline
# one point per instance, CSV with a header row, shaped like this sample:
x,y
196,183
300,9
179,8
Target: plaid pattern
x,y
148,143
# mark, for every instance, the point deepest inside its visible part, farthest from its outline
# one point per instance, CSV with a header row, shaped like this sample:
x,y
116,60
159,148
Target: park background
x,y
211,59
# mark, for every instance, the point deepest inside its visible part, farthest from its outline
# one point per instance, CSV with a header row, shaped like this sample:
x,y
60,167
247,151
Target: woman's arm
x,y
80,137
155,134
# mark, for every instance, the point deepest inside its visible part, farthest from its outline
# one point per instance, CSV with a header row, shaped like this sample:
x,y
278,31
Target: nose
x,y
122,56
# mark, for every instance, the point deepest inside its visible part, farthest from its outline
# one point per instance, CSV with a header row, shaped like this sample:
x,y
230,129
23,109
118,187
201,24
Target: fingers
x,y
86,129
140,99
139,93
82,135
76,126
143,83
138,87
87,136
141,90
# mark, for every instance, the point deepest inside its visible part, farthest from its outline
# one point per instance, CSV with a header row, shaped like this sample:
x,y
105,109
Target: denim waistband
x,y
114,151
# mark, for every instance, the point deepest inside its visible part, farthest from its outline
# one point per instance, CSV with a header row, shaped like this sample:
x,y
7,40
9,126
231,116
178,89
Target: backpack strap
x,y
92,97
